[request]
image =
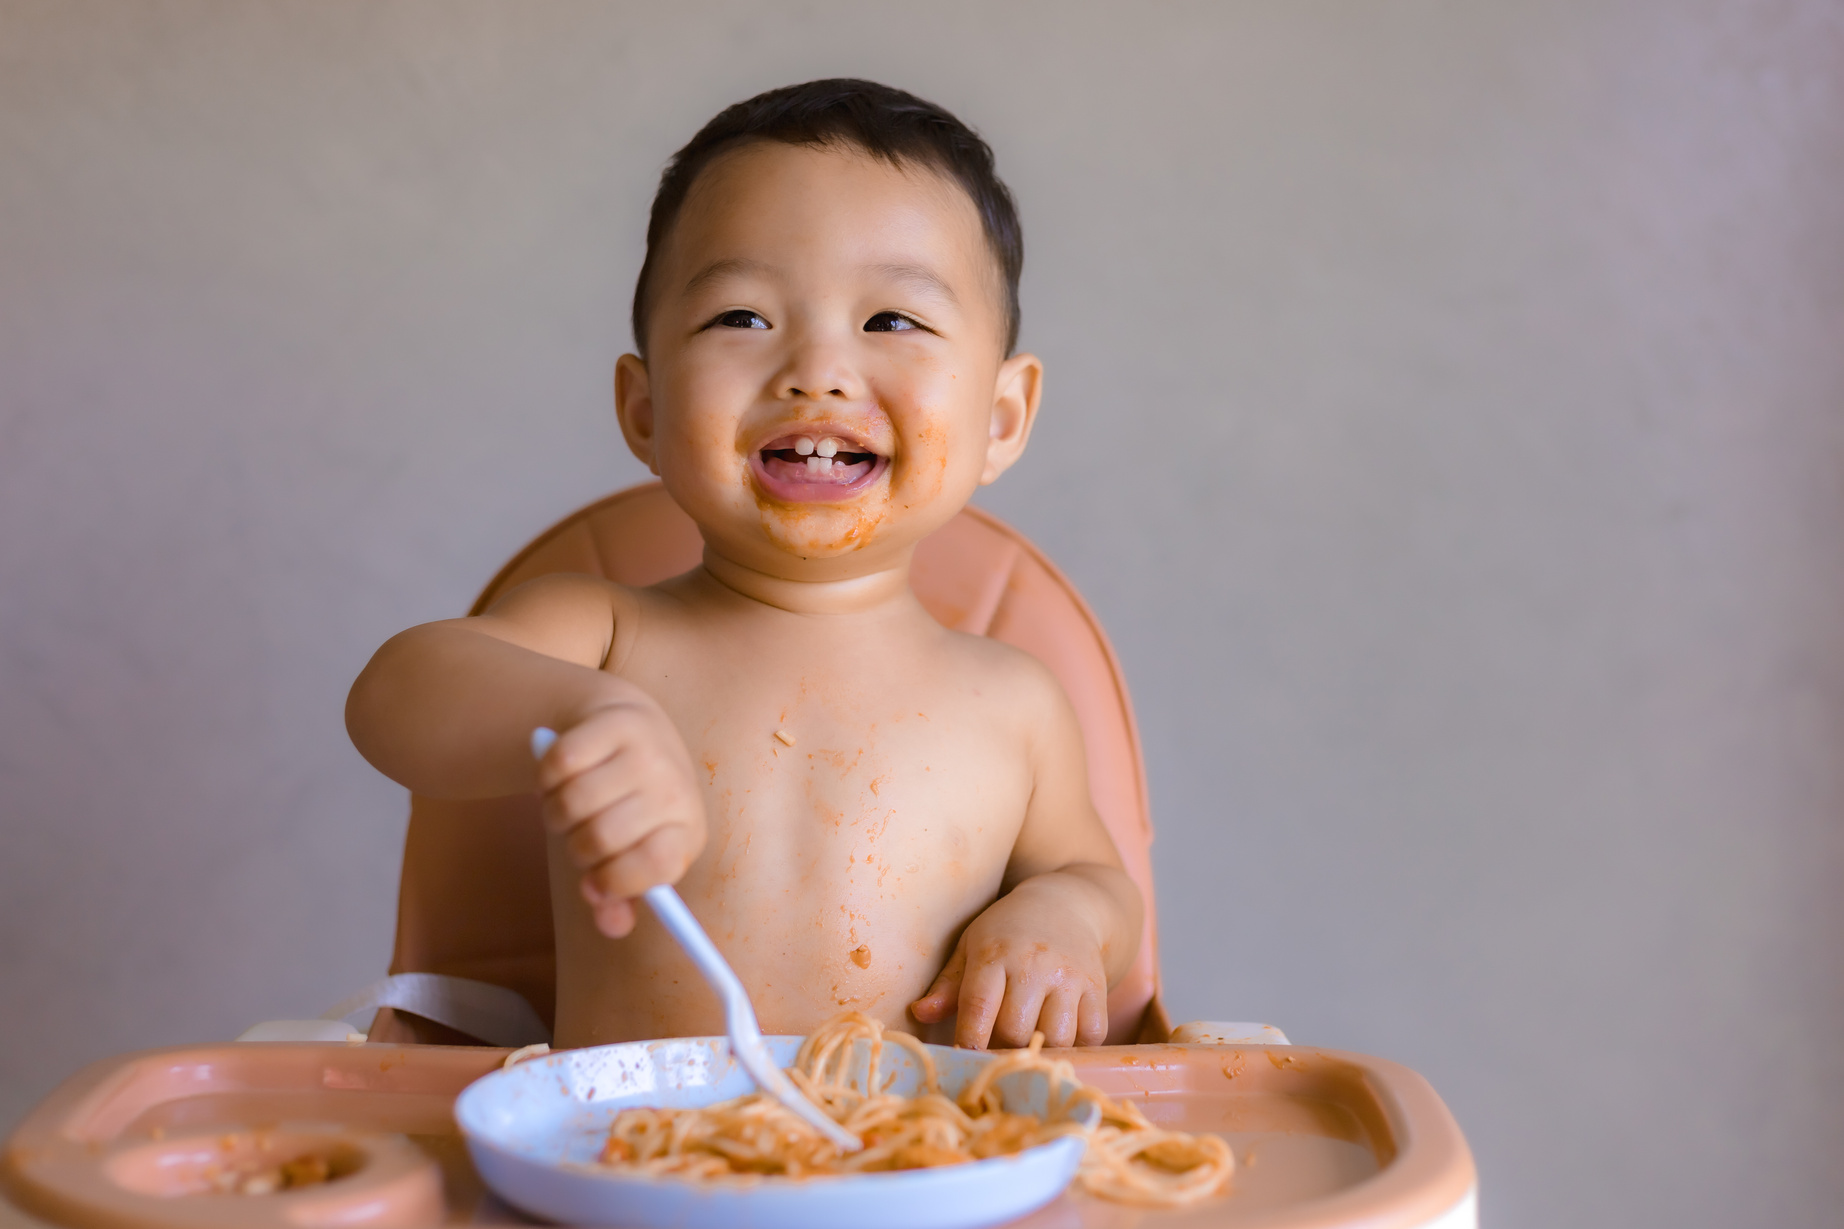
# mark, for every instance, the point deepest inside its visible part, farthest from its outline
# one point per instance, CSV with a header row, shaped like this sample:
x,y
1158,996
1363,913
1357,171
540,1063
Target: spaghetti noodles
x,y
1128,1158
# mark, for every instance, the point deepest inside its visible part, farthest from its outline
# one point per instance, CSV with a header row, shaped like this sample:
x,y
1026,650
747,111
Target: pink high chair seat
x,y
475,899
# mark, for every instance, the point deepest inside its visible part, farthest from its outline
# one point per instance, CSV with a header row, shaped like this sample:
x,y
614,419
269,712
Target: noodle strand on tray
x,y
1128,1159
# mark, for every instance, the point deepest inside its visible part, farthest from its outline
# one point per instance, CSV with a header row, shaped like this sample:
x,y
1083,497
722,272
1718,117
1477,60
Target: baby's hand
x,y
1032,961
619,788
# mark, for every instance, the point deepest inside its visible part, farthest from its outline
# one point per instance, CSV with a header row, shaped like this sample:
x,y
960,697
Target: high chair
x,y
1324,1139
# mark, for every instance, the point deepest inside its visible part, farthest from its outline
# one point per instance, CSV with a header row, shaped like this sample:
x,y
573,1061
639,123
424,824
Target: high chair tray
x,y
1322,1139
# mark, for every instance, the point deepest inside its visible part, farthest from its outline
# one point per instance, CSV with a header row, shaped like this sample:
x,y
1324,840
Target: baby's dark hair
x,y
885,123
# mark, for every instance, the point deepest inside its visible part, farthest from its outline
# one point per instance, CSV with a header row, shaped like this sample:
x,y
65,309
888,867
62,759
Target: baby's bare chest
x,y
863,798
839,766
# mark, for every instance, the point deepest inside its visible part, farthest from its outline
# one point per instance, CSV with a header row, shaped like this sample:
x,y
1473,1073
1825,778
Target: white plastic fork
x,y
739,1014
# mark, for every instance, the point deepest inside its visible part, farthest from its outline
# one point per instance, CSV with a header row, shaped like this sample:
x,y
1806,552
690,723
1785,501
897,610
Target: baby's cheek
x,y
944,461
930,459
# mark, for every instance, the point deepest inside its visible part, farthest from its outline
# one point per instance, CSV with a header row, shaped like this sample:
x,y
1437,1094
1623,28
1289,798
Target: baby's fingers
x,y
619,828
583,746
1019,1015
982,993
938,1003
1092,1019
661,856
614,918
586,796
1058,1019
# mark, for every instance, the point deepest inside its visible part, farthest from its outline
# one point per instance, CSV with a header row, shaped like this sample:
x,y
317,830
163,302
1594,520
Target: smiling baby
x,y
865,809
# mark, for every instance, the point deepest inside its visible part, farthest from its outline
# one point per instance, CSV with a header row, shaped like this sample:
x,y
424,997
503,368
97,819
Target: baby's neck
x,y
863,594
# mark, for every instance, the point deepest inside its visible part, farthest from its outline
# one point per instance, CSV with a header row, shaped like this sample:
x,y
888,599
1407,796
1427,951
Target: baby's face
x,y
825,383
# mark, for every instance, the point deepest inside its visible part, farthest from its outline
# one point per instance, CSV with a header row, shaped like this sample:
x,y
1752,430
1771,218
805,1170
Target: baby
x,y
865,809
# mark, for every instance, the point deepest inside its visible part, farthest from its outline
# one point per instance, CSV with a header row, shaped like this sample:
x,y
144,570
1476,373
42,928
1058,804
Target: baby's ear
x,y
634,408
1014,410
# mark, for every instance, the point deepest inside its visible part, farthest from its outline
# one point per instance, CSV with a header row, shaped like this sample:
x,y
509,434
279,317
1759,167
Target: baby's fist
x,y
618,787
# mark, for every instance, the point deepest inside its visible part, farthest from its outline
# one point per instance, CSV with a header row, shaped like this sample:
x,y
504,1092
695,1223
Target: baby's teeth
x,y
828,447
815,464
804,446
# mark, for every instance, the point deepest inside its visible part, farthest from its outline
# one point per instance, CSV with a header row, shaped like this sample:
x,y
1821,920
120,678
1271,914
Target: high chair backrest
x,y
474,900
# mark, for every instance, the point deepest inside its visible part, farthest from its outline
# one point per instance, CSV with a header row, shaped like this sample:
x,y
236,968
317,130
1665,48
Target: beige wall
x,y
1446,416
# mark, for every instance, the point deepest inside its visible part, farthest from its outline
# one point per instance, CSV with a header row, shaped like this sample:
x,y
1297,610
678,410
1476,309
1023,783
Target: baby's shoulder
x,y
565,593
573,615
569,616
998,672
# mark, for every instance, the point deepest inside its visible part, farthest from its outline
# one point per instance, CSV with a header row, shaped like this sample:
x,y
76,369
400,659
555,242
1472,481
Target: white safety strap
x,y
496,1015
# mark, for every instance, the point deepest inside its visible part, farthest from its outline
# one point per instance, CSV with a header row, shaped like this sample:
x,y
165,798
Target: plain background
x,y
1445,415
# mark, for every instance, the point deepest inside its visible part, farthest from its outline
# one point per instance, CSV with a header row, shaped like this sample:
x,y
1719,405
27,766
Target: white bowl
x,y
535,1132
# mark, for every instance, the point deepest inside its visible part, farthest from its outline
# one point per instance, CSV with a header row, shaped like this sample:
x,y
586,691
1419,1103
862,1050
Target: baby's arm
x,y
1067,923
448,708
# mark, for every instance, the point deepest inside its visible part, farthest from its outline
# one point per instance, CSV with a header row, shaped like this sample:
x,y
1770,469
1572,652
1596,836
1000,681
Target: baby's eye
x,y
889,322
741,318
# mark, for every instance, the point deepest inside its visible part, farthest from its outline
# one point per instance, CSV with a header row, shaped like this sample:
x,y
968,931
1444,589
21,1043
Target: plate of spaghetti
x,y
673,1132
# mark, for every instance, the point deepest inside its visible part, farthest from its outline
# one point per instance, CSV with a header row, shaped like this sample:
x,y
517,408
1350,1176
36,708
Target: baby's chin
x,y
825,530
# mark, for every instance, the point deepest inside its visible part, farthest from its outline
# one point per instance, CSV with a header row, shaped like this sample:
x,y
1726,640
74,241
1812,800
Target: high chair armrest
x,y
1228,1033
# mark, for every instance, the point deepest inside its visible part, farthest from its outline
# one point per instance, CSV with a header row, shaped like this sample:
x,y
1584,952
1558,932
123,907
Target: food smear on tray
x,y
308,1170
1128,1159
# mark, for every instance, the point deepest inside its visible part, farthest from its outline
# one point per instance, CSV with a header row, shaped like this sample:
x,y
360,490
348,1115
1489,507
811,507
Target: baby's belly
x,y
810,934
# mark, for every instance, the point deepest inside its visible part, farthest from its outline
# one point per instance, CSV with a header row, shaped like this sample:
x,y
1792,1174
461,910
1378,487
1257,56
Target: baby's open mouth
x,y
817,466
